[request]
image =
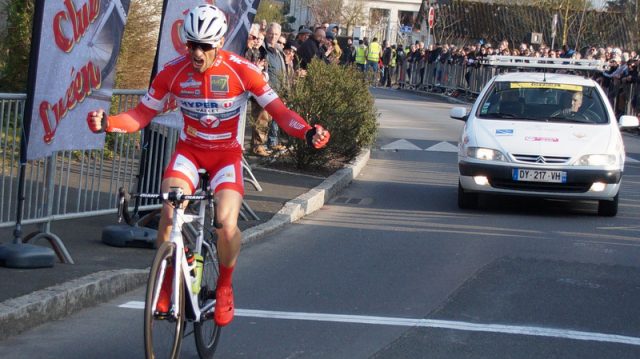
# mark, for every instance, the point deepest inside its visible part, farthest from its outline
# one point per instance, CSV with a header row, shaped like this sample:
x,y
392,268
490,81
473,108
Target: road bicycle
x,y
191,251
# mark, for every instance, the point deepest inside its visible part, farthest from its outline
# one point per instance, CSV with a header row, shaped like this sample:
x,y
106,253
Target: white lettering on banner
x,y
184,165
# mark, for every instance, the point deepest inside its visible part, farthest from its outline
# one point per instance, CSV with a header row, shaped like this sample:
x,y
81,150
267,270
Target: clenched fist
x,y
97,121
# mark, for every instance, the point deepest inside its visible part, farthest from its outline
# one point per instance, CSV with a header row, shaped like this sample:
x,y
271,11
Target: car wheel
x,y
466,200
608,208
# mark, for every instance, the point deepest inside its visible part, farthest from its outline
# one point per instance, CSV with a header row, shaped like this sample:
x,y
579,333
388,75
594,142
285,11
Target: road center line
x,y
430,323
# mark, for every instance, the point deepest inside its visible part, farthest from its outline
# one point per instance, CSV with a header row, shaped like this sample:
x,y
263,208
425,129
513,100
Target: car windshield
x,y
545,102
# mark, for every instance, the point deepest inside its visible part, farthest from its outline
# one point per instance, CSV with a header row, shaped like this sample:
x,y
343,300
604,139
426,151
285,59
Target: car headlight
x,y
597,160
486,154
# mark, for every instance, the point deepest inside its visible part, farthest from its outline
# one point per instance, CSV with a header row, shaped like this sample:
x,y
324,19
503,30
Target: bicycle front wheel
x,y
206,331
162,334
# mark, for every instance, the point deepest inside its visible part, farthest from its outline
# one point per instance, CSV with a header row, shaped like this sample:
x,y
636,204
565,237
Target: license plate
x,y
530,175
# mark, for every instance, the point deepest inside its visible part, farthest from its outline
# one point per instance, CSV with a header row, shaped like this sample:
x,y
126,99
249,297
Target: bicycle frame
x,y
176,237
180,219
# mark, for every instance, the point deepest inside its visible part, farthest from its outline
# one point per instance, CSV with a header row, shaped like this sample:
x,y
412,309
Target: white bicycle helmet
x,y
205,24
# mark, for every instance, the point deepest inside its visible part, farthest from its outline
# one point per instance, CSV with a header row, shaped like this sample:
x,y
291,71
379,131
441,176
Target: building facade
x,y
386,19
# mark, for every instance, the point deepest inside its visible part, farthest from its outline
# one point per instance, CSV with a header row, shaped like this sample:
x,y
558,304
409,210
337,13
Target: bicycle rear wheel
x,y
162,335
206,331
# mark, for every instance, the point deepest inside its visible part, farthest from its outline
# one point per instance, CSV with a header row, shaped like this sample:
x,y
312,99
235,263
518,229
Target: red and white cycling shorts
x,y
224,167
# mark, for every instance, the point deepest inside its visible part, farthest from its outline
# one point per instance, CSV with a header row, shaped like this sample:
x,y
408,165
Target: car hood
x,y
543,138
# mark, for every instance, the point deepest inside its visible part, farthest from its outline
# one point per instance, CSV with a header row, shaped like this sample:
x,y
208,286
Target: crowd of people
x,y
282,59
393,65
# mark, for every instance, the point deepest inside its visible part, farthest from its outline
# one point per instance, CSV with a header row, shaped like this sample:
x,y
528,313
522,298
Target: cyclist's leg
x,y
181,172
229,236
166,217
228,184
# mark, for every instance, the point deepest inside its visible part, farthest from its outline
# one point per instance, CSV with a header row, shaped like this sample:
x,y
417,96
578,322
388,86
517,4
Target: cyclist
x,y
212,87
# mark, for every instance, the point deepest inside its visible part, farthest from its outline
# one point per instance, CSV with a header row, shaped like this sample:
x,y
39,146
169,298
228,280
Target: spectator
x,y
276,71
291,67
400,57
259,117
361,56
311,49
386,62
374,51
281,42
332,49
302,36
349,53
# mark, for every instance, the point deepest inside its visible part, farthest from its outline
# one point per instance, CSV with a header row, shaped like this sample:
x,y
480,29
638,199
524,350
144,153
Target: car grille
x,y
541,187
541,159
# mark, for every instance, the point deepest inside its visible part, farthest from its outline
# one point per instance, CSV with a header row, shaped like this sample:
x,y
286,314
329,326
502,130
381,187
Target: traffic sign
x,y
432,17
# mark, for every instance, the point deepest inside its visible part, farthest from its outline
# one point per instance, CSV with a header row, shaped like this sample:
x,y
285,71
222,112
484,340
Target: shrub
x,y
337,98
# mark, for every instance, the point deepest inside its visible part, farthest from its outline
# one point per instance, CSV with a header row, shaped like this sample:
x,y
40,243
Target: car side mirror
x,y
628,121
459,113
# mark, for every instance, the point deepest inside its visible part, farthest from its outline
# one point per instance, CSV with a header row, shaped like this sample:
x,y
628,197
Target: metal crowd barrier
x,y
463,80
84,183
69,184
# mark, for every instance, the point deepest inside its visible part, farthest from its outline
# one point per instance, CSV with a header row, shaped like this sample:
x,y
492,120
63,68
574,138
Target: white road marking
x,y
401,145
631,160
431,323
443,147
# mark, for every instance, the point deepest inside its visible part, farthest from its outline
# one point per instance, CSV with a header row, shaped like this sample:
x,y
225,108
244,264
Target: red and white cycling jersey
x,y
211,102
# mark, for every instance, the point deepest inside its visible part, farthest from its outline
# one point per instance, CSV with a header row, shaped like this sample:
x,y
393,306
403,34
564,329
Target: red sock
x,y
224,280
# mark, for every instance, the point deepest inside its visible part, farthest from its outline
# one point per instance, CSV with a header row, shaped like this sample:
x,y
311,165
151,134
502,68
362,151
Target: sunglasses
x,y
252,37
193,46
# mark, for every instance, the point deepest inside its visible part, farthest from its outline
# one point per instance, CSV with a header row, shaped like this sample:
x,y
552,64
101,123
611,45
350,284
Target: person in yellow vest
x,y
373,57
361,56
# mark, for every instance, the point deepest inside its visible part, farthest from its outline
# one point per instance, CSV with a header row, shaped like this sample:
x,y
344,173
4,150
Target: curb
x,y
309,202
28,311
25,312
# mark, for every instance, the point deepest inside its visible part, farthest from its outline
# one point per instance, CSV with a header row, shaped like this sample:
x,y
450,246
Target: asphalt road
x,y
391,268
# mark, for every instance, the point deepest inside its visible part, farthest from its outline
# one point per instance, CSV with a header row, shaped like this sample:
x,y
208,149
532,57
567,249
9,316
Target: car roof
x,y
545,77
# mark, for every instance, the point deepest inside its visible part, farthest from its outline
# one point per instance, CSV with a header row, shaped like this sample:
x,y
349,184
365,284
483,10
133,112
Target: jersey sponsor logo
x,y
189,92
219,83
295,124
238,60
190,83
198,104
227,104
184,165
210,121
225,175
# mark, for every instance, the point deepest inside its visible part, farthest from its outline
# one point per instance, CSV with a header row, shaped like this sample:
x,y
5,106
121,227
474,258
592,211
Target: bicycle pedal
x,y
208,294
162,315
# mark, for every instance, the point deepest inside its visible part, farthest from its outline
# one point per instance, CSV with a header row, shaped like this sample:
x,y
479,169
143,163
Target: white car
x,y
545,135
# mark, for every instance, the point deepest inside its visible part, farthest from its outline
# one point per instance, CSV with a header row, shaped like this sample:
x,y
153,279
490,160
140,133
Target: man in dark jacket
x,y
312,49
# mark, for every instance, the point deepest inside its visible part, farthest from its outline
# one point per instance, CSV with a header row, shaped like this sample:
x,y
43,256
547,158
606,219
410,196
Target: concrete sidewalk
x,y
30,297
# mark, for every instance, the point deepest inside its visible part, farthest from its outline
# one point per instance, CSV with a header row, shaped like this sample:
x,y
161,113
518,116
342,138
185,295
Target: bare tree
x,y
134,66
353,14
570,13
324,10
443,24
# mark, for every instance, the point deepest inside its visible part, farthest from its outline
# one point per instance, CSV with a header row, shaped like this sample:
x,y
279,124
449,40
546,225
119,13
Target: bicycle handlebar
x,y
174,196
